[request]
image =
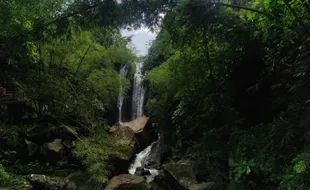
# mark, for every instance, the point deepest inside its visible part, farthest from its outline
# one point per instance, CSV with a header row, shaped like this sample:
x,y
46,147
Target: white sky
x,y
140,39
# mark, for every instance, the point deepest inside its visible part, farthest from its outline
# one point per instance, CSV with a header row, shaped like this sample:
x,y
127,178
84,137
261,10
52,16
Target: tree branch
x,y
244,8
82,59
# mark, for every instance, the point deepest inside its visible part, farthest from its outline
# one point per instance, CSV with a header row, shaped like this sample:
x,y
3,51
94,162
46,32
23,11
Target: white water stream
x,y
138,93
138,96
138,163
123,73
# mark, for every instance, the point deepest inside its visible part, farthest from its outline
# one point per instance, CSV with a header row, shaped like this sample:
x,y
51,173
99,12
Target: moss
x,y
95,152
11,180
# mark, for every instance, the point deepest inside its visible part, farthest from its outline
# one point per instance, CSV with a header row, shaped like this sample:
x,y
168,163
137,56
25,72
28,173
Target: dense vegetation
x,y
228,84
233,85
67,72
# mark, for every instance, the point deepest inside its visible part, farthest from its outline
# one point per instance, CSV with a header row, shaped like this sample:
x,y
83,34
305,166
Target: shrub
x,y
96,150
12,181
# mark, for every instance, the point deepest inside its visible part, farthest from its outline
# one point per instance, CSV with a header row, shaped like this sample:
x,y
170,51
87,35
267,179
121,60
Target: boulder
x,y
43,182
182,172
140,171
127,182
53,151
32,147
136,131
42,133
125,133
178,175
138,124
78,181
120,165
157,155
201,186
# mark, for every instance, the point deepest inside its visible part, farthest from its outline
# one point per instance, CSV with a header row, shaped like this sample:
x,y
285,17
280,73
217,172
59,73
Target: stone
x,y
127,182
42,133
33,148
78,181
125,133
43,182
138,124
137,131
53,151
120,165
177,175
139,171
181,172
201,186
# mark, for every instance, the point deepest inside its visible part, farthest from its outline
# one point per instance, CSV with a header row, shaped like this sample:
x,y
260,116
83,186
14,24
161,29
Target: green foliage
x,y
233,82
12,181
95,152
296,176
9,134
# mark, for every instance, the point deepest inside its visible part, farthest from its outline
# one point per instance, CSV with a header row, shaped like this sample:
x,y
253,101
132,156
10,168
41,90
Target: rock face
x,y
127,182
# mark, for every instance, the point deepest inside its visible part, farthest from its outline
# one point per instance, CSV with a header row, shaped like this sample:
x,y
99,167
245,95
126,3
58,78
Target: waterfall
x,y
138,162
138,96
123,73
138,92
139,158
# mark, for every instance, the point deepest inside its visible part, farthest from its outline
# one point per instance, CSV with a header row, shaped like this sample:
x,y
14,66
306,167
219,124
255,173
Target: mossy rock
x,y
127,182
78,181
180,174
43,182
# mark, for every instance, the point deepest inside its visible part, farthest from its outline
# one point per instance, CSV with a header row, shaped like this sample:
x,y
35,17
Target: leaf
x,y
248,171
300,167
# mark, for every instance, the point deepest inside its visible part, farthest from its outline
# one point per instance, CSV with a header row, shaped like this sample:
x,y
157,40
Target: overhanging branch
x,y
244,8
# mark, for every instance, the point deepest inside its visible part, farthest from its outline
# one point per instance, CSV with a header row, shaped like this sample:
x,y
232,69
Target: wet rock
x,y
139,171
43,182
127,182
142,172
157,155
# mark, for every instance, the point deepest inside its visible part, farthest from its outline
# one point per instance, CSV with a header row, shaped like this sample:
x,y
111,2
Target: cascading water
x,y
137,110
123,73
138,162
138,92
139,159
